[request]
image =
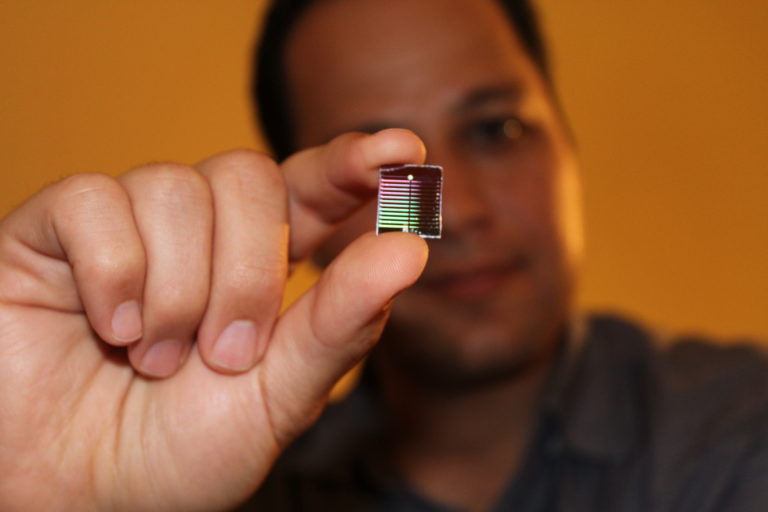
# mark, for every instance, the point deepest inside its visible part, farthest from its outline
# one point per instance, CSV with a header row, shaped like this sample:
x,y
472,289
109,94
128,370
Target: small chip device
x,y
410,200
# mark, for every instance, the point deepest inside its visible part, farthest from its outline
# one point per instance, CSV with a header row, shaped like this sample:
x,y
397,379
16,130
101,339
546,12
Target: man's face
x,y
498,287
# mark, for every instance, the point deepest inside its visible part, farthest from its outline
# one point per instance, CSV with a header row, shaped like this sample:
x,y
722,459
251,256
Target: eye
x,y
495,131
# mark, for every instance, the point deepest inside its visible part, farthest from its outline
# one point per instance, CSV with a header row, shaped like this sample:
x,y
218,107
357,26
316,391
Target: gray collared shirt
x,y
625,425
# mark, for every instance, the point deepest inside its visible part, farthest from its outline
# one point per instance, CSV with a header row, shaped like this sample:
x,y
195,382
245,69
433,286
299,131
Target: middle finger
x,y
172,207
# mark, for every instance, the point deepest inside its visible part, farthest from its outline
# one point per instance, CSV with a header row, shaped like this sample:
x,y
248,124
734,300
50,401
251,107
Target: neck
x,y
460,447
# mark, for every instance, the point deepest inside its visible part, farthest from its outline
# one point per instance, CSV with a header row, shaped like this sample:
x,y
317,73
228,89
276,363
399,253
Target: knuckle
x,y
182,306
111,269
179,312
248,167
265,279
177,306
165,179
349,149
173,177
251,174
85,202
264,282
83,189
244,157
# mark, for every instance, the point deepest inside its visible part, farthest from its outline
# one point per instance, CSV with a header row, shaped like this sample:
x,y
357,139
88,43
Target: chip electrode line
x,y
410,200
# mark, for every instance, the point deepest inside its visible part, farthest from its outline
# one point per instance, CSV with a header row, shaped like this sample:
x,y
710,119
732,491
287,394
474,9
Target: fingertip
x,y
408,254
395,145
237,349
126,323
399,239
161,359
421,249
381,266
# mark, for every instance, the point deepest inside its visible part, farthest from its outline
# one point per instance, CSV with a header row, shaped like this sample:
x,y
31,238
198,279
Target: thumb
x,y
329,329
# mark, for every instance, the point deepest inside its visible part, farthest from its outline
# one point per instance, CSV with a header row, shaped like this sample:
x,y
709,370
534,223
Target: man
x,y
486,393
489,393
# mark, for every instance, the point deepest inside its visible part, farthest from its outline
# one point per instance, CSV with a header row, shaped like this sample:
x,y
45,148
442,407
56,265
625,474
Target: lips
x,y
473,281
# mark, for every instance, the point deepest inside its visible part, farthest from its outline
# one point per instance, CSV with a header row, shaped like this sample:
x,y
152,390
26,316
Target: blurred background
x,y
667,101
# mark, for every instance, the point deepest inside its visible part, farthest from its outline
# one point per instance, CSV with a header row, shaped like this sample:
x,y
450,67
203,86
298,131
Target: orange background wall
x,y
667,99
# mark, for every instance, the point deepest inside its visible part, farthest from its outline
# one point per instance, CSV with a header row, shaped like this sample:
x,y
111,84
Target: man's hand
x,y
143,364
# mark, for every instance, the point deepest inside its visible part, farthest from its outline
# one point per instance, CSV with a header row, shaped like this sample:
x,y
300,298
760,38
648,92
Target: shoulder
x,y
732,365
730,374
705,414
711,425
718,384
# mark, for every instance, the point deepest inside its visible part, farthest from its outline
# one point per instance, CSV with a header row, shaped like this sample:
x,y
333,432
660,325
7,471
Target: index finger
x,y
328,183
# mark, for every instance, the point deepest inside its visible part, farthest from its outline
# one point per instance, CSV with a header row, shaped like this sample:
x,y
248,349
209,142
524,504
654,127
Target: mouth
x,y
473,281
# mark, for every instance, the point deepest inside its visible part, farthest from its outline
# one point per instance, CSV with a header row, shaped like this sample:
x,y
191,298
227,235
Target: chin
x,y
461,355
455,343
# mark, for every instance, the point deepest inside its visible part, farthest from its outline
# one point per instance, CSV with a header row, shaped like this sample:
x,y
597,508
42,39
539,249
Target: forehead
x,y
393,54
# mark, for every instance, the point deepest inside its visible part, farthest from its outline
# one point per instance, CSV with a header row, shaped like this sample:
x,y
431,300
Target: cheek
x,y
362,221
558,208
537,196
523,200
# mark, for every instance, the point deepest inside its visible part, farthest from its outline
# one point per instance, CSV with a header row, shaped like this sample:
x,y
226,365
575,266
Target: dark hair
x,y
268,86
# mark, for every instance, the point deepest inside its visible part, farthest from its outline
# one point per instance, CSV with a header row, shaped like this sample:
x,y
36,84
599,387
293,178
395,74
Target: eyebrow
x,y
485,95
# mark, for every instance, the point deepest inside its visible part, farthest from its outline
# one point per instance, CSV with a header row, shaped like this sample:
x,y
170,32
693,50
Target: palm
x,y
163,441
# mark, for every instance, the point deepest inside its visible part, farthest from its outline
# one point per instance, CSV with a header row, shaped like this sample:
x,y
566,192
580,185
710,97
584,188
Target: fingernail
x,y
235,349
126,322
162,358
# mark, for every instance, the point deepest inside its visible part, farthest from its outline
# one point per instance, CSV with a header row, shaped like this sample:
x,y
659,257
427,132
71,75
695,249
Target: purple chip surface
x,y
410,200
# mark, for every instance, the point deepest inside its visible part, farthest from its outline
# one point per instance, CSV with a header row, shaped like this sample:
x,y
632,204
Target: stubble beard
x,y
439,365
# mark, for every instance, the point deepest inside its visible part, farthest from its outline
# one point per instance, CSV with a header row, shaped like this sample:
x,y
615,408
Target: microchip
x,y
410,200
